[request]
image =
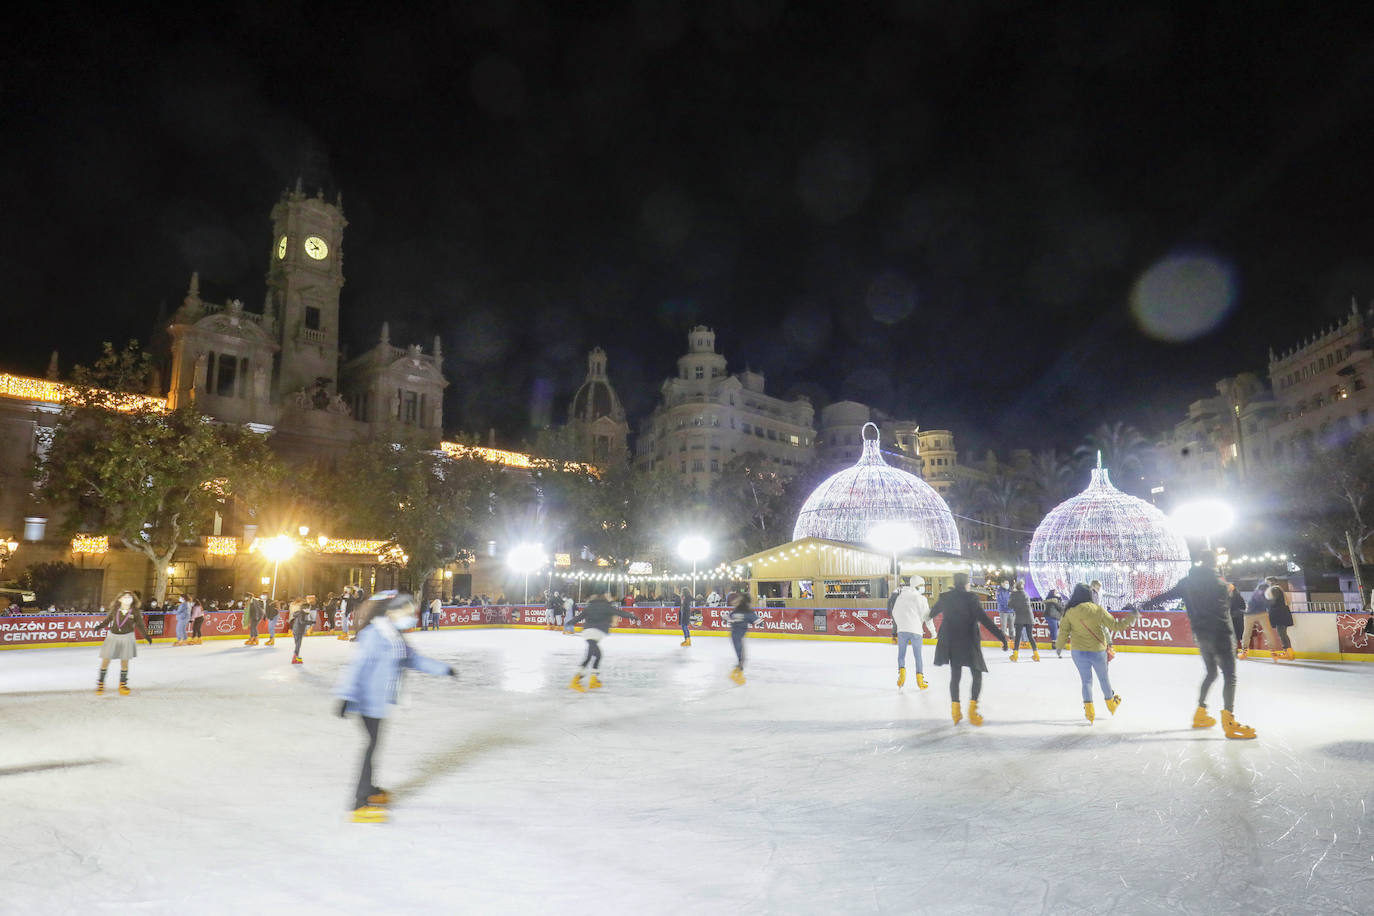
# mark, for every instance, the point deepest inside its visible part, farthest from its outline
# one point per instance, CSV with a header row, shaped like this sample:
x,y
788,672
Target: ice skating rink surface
x,y
222,785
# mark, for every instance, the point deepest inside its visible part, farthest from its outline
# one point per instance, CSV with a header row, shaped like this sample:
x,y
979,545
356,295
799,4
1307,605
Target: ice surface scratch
x,y
1313,870
1292,828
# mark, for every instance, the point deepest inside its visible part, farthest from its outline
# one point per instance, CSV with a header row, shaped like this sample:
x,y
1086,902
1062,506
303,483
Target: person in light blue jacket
x,y
368,685
183,613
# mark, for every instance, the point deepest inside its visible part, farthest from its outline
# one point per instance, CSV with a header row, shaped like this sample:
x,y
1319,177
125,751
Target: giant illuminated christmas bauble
x,y
1104,534
850,503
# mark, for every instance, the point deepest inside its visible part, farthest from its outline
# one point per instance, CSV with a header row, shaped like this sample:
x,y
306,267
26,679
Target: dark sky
x,y
939,208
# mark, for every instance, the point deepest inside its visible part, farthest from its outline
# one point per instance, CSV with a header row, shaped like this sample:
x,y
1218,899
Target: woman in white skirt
x,y
123,620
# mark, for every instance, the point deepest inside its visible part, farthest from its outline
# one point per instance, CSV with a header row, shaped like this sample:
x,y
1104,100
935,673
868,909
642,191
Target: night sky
x,y
941,209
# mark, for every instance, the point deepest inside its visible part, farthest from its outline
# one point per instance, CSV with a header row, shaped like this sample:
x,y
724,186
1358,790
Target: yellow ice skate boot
x,y
1201,719
921,681
1233,728
99,689
686,642
380,797
1015,654
973,717
1089,713
901,676
737,675
271,641
1035,656
124,691
1113,702
369,814
577,684
595,682
955,712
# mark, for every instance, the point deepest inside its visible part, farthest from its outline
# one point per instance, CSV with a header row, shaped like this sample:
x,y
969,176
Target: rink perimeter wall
x,y
1315,635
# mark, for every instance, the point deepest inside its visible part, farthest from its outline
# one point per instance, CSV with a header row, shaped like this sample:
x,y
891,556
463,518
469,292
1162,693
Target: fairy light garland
x,y
849,503
91,543
1102,533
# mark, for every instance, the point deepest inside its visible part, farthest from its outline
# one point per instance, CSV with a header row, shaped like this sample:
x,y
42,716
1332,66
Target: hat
x,y
918,582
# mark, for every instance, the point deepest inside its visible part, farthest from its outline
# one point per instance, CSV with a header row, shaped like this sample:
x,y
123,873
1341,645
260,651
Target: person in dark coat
x,y
596,618
1208,602
1054,610
1023,620
1280,618
1237,615
1256,612
741,617
957,643
684,616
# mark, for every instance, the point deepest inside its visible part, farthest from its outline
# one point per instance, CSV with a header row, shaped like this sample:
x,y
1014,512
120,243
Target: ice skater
x,y
299,620
741,616
684,616
347,601
197,622
1084,631
596,618
1280,618
123,620
1005,616
1205,597
910,613
958,646
569,610
1054,610
369,683
1022,620
253,609
183,614
1256,613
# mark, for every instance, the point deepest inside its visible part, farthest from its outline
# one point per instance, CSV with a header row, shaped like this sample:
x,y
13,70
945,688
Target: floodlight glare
x,y
1204,518
693,548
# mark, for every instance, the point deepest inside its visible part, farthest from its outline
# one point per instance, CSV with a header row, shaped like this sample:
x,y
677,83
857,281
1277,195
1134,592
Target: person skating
x,y
436,612
1022,620
346,604
1005,616
910,612
684,616
1280,618
272,609
299,621
958,646
123,620
741,615
1206,600
253,610
1054,610
369,683
197,622
596,618
183,616
1084,631
1256,613
569,610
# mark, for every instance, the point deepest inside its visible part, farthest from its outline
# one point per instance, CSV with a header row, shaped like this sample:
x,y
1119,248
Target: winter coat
x,y
197,610
1280,615
1259,599
369,683
121,622
1003,599
300,617
183,610
1020,604
741,615
1053,609
910,610
1085,625
1237,602
1207,600
958,643
600,614
254,610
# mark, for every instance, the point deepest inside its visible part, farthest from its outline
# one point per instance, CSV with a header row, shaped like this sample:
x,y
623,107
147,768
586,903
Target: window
x,y
795,440
1359,383
758,431
701,372
697,465
312,318
746,428
682,466
773,434
715,464
410,407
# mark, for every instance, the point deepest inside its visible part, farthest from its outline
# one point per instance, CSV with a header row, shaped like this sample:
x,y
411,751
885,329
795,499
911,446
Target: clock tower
x,y
304,276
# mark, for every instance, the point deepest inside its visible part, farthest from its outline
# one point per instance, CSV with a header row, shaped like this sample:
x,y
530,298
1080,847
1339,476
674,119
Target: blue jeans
x,y
271,628
914,640
1053,624
182,621
1087,663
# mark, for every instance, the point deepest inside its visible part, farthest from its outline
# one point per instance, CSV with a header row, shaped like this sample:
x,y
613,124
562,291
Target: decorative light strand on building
x,y
51,392
216,546
90,543
358,546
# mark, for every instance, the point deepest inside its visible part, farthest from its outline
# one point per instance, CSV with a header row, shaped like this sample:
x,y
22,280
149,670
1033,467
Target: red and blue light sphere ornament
x,y
1104,534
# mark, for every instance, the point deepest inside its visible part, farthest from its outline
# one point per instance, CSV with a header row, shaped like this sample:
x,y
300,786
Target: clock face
x,y
281,248
316,248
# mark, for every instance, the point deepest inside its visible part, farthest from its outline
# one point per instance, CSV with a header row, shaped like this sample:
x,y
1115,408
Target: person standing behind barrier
x,y
910,612
1084,631
197,621
957,643
1005,617
1256,612
1023,620
1280,618
436,612
346,603
684,616
1054,609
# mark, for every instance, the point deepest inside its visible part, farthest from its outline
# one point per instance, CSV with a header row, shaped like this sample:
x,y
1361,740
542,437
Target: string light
x,y
216,546
90,543
1104,534
849,503
51,392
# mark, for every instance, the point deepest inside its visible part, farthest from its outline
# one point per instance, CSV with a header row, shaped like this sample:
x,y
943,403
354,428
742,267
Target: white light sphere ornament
x,y
848,505
1102,533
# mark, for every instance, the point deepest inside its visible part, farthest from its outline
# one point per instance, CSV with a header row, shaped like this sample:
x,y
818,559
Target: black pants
x,y
298,638
1218,654
196,625
365,786
1238,624
329,618
975,677
1283,637
1024,628
593,654
685,618
737,637
253,627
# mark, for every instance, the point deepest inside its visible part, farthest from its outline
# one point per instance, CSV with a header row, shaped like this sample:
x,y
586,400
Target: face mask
x,y
404,623
126,602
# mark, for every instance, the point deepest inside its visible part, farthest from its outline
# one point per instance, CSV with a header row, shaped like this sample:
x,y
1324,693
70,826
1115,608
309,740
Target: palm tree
x,y
1123,449
1004,497
1048,477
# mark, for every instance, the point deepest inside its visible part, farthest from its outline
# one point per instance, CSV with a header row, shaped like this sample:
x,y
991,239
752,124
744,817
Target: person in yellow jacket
x,y
1084,629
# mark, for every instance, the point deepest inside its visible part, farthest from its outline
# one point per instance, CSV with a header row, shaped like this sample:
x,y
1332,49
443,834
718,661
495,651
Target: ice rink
x,y
222,785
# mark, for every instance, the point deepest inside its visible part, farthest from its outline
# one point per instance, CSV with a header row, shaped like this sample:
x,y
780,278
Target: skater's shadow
x,y
50,765
439,764
1359,751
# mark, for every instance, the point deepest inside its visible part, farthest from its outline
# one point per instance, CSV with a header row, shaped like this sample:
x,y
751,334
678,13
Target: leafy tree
x,y
1048,476
152,478
1331,493
46,580
750,498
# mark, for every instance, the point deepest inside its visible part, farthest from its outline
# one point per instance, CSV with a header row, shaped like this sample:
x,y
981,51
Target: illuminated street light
x,y
1204,518
692,548
276,549
893,538
526,558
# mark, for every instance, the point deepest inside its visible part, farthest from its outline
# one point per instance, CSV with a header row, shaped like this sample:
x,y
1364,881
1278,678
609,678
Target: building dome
x,y
1105,534
848,504
595,398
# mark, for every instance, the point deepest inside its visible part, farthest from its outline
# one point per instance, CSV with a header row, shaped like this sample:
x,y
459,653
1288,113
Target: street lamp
x,y
1204,518
893,538
692,548
526,558
277,549
8,547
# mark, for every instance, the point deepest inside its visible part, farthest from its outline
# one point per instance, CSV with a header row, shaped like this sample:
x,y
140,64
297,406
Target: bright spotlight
x,y
1204,518
526,558
693,548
